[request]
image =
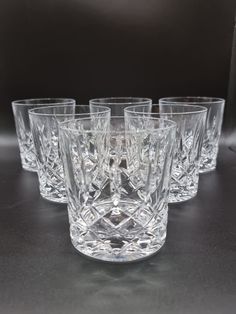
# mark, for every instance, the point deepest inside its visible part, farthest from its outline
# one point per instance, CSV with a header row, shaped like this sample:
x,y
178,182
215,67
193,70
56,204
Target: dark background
x,y
93,48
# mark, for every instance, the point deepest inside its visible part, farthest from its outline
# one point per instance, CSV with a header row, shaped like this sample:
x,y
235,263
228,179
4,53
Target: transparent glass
x,y
44,124
117,202
24,135
190,122
118,104
214,119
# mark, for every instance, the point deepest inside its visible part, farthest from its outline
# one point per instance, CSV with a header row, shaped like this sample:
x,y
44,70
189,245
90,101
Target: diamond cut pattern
x,y
184,179
28,153
26,145
50,168
119,203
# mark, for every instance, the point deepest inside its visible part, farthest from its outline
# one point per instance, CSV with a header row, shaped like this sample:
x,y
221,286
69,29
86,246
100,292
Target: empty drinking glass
x,y
190,122
118,104
21,116
214,119
117,202
44,124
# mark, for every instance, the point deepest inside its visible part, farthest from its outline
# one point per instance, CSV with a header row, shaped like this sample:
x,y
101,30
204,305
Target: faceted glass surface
x,y
189,136
117,183
215,112
24,135
214,119
44,125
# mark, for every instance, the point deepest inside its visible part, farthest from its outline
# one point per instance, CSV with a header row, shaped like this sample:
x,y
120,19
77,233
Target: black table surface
x,y
40,271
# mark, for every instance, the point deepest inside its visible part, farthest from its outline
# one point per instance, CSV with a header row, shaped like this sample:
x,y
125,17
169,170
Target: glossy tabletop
x,y
40,271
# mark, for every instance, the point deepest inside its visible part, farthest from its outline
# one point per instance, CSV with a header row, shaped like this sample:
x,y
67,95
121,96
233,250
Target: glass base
x,y
207,169
62,200
208,163
104,256
29,169
181,196
123,233
53,191
28,159
184,182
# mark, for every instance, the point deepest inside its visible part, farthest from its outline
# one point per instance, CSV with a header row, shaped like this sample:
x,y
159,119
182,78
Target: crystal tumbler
x,y
190,122
214,119
117,104
44,124
24,135
117,202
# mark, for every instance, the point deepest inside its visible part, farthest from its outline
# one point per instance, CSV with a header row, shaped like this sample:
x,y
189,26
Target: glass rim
x,y
58,101
192,100
171,125
34,111
200,109
111,100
